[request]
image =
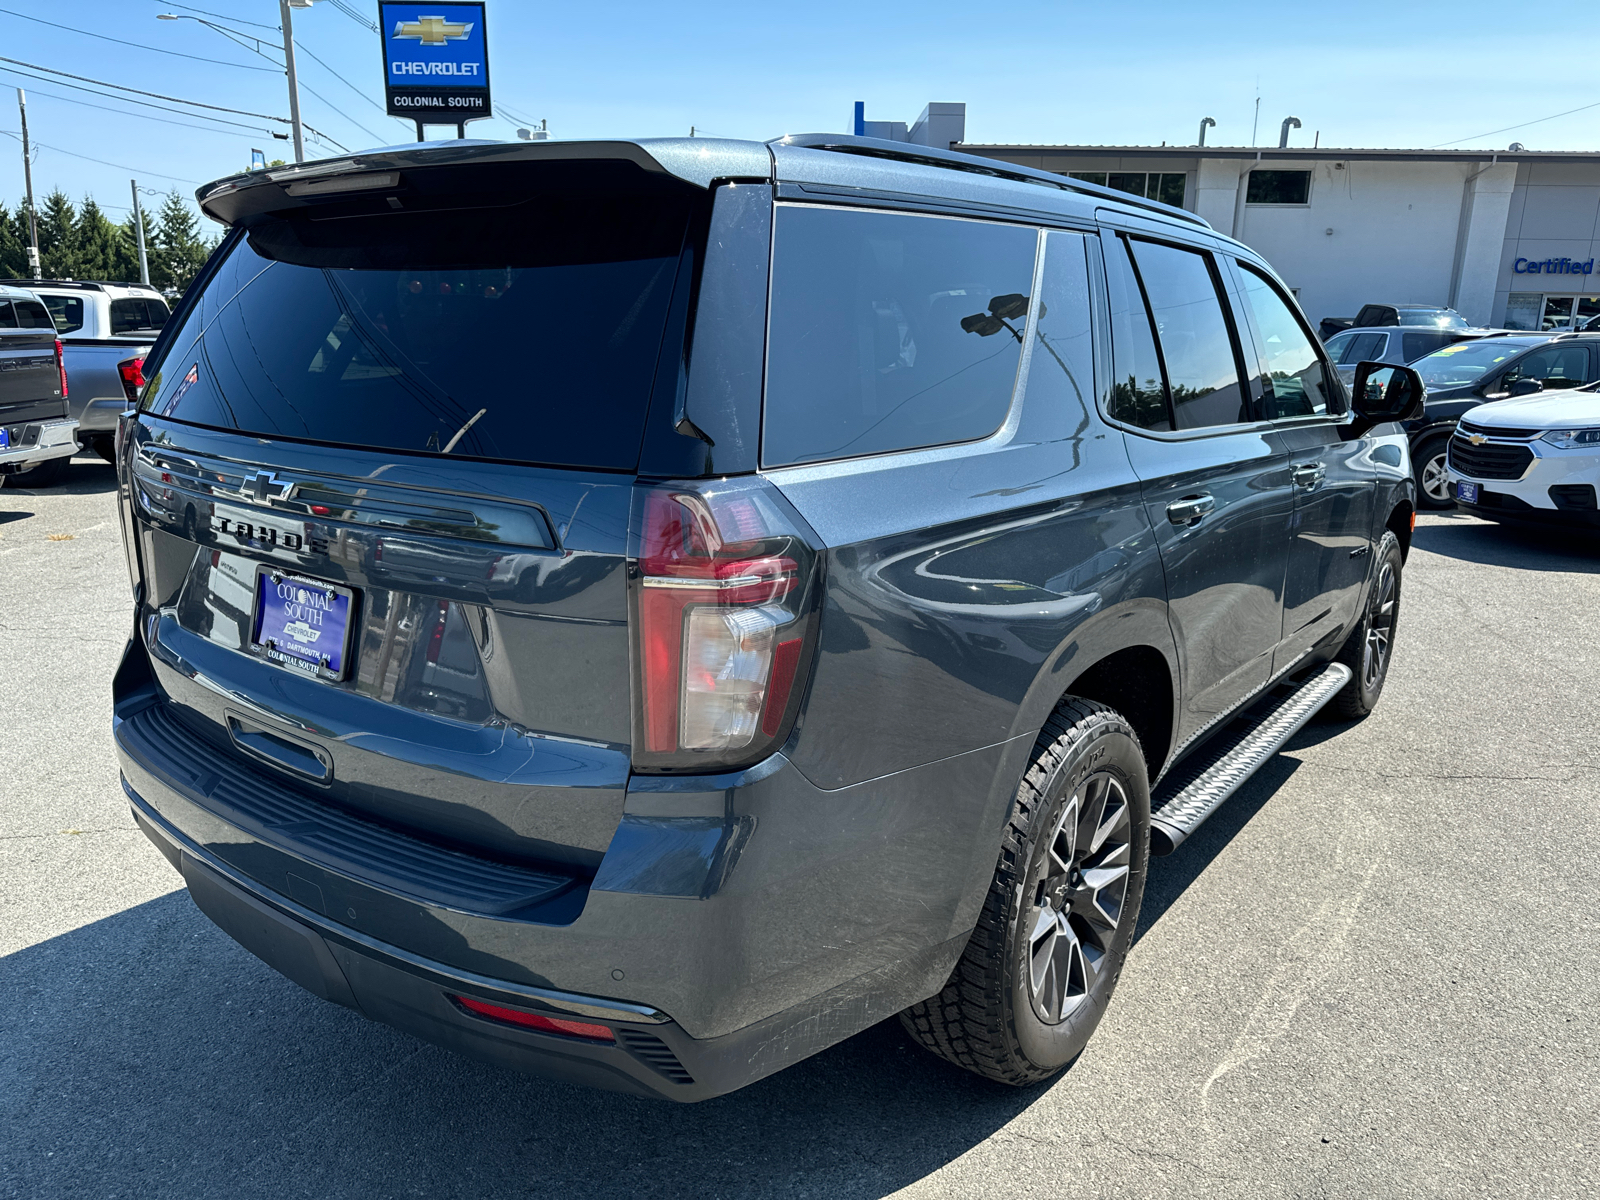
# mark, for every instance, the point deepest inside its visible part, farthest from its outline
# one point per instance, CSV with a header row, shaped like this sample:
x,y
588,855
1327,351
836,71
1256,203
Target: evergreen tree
x,y
96,246
13,242
128,241
57,253
182,250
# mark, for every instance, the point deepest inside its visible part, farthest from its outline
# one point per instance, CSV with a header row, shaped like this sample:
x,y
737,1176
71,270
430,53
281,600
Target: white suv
x,y
1535,457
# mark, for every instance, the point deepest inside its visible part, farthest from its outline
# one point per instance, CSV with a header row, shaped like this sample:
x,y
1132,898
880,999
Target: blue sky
x,y
1360,74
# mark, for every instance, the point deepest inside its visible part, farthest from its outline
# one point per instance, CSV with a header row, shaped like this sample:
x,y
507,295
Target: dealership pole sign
x,y
435,63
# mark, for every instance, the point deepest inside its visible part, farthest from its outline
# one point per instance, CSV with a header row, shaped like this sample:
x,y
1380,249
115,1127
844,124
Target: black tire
x,y
1370,647
104,445
1427,465
47,474
1051,943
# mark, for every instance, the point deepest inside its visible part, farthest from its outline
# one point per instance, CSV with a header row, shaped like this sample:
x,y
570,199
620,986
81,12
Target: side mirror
x,y
1525,387
1384,392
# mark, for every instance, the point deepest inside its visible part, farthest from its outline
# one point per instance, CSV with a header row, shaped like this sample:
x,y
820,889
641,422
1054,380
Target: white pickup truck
x,y
103,327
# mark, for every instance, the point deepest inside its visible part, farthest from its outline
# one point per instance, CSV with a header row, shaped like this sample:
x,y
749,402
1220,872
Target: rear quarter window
x,y
890,331
66,312
33,315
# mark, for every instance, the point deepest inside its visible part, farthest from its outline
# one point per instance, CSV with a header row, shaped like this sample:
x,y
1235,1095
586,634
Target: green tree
x,y
57,249
14,242
180,249
129,240
96,245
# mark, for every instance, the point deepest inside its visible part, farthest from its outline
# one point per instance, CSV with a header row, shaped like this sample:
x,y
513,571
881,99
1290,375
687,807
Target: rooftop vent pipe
x,y
1204,123
1283,134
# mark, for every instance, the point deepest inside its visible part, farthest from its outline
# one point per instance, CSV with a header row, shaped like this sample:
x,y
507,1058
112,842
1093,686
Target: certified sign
x,y
435,62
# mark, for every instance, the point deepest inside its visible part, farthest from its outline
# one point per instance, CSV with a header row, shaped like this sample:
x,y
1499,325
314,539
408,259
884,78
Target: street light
x,y
288,55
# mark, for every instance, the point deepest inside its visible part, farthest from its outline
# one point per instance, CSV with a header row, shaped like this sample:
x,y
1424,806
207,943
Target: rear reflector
x,y
528,1020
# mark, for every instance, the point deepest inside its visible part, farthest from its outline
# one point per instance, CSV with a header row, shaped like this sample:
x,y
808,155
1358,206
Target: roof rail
x,y
951,160
86,284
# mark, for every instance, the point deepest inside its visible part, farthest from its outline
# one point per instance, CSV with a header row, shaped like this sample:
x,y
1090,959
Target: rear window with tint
x,y
137,312
504,313
33,315
66,312
890,332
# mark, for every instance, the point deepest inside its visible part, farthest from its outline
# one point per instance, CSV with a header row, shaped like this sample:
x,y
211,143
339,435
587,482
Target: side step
x,y
1202,782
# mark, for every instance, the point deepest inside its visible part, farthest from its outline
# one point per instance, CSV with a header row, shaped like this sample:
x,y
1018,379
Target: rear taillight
x,y
436,637
132,372
61,368
727,588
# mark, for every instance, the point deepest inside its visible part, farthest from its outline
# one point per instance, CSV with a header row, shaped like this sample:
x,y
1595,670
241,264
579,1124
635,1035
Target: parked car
x,y
1355,346
1463,376
781,594
37,435
1427,316
106,329
1532,459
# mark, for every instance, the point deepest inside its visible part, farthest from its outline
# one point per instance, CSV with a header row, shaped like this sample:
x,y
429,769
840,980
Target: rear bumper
x,y
748,920
40,441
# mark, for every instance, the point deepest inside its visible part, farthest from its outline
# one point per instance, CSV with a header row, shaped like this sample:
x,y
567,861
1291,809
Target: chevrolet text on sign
x,y
435,62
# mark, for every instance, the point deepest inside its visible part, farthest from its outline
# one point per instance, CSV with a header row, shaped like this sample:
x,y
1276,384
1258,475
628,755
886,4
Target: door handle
x,y
1190,510
1308,475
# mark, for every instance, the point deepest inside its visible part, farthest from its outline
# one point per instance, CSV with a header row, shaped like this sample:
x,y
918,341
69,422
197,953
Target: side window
x,y
65,311
1196,345
1297,384
8,319
130,314
890,331
1554,366
33,315
1059,391
1414,345
1364,347
1138,393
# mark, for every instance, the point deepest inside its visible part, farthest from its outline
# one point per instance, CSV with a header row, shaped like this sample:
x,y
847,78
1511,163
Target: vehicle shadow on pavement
x,y
1170,877
88,475
1526,548
148,1054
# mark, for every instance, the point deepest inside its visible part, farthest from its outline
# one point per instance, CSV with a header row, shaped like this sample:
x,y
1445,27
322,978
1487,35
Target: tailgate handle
x,y
308,761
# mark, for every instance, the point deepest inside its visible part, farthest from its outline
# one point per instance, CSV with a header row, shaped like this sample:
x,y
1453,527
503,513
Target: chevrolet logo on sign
x,y
432,31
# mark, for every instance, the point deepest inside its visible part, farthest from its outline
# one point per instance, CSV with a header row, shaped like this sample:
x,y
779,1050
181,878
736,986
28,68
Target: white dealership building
x,y
1508,238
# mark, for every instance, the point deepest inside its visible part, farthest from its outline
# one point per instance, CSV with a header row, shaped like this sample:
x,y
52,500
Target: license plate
x,y
1467,493
303,624
5,438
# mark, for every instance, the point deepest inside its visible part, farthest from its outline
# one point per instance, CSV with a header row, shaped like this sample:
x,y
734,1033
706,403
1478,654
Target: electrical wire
x,y
218,16
73,154
355,16
299,45
126,113
135,45
1524,125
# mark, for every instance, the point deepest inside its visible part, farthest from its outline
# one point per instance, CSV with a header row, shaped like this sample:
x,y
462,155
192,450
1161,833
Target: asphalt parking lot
x,y
1373,972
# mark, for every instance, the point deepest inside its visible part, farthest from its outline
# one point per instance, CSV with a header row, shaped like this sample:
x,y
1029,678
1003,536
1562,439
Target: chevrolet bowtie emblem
x,y
264,485
1477,439
432,31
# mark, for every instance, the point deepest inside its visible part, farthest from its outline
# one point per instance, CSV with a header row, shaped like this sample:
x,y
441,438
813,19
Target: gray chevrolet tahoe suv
x,y
643,612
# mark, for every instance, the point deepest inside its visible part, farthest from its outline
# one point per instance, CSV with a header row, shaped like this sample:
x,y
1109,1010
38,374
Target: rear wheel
x,y
46,474
1428,464
1371,644
1058,920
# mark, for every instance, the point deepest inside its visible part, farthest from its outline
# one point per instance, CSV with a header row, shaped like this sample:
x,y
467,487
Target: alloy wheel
x,y
1434,483
1380,625
1080,884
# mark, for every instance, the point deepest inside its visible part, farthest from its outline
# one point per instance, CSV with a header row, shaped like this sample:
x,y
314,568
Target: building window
x,y
1523,310
1165,186
1278,187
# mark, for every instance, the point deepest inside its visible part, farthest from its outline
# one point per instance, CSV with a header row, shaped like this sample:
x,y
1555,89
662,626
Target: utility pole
x,y
138,229
294,83
27,175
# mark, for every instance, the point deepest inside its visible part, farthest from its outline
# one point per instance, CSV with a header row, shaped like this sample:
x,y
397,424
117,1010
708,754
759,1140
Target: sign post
x,y
435,63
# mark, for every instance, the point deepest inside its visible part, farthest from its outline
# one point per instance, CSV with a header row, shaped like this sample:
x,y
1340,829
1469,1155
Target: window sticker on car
x,y
189,380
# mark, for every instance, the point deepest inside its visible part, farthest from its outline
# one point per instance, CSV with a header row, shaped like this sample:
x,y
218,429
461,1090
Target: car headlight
x,y
1573,439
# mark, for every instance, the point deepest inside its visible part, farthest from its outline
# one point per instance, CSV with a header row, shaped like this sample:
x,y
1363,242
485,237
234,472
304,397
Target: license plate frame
x,y
1466,492
287,627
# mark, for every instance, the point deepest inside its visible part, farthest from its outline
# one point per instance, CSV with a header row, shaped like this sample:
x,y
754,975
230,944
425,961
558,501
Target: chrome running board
x,y
1199,786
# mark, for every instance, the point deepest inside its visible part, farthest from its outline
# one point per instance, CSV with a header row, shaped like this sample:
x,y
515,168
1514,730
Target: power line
x,y
218,16
1524,125
125,112
157,95
299,45
101,161
355,16
135,45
